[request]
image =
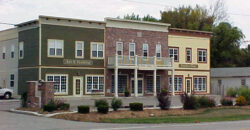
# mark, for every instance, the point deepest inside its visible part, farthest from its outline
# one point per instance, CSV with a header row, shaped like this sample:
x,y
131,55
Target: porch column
x,y
116,82
173,82
155,93
136,83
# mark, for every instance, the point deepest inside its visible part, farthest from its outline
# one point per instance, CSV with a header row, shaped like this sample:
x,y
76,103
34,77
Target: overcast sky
x,y
17,11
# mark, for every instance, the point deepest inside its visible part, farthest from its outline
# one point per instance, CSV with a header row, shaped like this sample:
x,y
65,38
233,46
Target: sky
x,y
17,11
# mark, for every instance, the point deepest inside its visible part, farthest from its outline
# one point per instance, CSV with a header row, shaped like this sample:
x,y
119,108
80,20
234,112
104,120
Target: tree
x,y
134,16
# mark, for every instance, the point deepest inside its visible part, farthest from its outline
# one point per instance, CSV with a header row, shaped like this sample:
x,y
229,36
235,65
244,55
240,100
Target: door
x,y
77,86
140,87
188,86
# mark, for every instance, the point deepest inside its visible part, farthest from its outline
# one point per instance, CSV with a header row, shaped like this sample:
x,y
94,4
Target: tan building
x,y
191,52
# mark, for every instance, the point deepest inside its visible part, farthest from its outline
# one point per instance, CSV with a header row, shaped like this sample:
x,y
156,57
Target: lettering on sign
x,y
188,65
77,62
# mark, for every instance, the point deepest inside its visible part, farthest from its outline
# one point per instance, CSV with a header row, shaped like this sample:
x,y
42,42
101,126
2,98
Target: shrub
x,y
189,102
103,109
101,102
231,92
164,100
50,107
63,106
245,92
205,101
126,93
241,101
136,106
226,101
83,109
116,104
24,97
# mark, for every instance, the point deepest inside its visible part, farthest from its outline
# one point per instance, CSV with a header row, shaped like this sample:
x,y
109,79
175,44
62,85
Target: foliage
x,y
116,104
83,109
50,107
134,16
24,97
61,105
164,100
189,102
231,92
226,101
126,92
245,92
241,101
100,102
205,102
136,106
103,109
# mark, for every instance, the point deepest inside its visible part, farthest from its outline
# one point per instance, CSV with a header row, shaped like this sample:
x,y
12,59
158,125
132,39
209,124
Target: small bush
x,y
50,107
126,93
83,109
24,97
101,102
231,92
189,102
245,92
205,101
136,106
63,106
226,101
241,101
164,100
103,109
116,104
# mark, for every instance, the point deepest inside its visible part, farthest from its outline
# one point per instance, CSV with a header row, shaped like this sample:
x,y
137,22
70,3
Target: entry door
x,y
78,86
188,86
140,87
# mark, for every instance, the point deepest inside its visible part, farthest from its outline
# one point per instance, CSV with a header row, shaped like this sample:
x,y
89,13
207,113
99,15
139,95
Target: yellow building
x,y
191,52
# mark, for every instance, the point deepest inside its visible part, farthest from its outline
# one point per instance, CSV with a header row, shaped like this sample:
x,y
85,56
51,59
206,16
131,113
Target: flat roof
x,y
230,72
191,31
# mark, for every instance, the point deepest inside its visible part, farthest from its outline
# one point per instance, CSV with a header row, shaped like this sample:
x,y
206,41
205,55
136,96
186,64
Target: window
x,y
97,50
12,78
178,83
200,83
79,49
174,52
122,83
150,84
12,52
131,49
188,55
55,48
119,48
60,82
158,50
21,50
145,50
4,53
94,83
243,82
202,55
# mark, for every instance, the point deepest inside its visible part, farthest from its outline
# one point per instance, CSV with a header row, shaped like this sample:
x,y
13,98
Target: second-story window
x,y
12,52
131,49
158,50
188,55
55,48
119,48
145,50
4,53
202,55
21,50
174,52
79,49
97,50
12,80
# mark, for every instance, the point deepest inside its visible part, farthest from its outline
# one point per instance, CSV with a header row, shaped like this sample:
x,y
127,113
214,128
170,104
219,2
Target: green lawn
x,y
210,115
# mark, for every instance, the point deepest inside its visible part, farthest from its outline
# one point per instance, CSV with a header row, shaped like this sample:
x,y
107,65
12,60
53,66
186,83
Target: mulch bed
x,y
40,111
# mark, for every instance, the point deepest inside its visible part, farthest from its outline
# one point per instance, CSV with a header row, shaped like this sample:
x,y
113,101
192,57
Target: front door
x,y
77,86
188,86
140,86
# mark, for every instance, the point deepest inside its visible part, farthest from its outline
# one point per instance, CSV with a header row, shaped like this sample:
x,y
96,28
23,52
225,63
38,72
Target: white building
x,y
224,78
9,59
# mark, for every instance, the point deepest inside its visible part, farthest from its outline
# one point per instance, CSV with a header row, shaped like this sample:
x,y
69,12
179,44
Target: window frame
x,y
146,45
86,82
4,53
121,48
157,52
201,49
21,48
67,83
132,43
243,82
12,80
197,89
12,52
178,53
48,48
189,49
178,77
82,49
103,53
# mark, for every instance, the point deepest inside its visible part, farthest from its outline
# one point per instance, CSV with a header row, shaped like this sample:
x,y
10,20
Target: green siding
x,y
31,47
71,73
70,35
25,75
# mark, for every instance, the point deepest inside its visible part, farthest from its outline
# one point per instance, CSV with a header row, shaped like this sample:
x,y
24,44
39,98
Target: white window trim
x,y
145,44
67,82
156,50
21,47
82,42
117,47
196,88
55,56
177,84
12,49
132,50
89,75
202,61
174,54
4,52
98,43
12,80
189,49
